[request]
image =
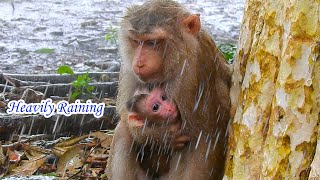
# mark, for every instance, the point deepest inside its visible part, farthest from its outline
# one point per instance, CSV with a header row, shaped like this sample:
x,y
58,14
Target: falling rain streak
x,y
200,92
165,50
217,138
199,137
183,67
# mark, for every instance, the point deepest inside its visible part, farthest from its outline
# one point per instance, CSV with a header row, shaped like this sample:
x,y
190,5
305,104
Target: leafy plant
x,y
228,50
80,85
112,36
44,51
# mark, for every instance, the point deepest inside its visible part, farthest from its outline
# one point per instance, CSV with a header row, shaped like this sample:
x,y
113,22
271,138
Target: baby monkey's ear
x,y
135,120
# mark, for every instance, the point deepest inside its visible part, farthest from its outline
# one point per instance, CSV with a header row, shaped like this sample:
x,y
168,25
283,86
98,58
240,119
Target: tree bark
x,y
276,92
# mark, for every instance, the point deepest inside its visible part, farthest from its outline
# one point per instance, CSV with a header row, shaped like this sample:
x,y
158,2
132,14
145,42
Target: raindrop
x,y
168,158
208,150
205,107
158,164
228,126
144,125
265,126
154,44
200,92
217,138
46,90
199,137
147,173
82,120
55,124
184,123
215,58
177,165
211,172
139,50
159,151
165,50
22,131
208,136
225,150
31,126
218,109
13,8
164,139
131,147
5,86
218,118
70,93
100,95
142,156
260,118
183,67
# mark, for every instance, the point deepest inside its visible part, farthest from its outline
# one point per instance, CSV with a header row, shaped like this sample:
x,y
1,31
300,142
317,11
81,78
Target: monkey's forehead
x,y
154,14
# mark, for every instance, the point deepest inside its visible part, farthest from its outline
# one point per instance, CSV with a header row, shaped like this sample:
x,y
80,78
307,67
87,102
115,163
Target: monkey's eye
x,y
154,42
155,107
137,42
164,97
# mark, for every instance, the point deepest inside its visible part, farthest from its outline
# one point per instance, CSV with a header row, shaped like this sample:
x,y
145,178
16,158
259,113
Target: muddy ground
x,y
37,36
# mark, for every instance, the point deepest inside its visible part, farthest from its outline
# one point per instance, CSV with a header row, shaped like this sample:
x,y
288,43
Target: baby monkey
x,y
160,129
154,110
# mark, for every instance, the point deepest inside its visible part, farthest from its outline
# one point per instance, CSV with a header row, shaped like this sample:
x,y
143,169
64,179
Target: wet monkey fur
x,y
159,122
163,43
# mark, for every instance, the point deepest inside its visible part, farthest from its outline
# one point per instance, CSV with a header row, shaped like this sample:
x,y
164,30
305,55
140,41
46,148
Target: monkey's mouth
x,y
152,78
173,117
148,76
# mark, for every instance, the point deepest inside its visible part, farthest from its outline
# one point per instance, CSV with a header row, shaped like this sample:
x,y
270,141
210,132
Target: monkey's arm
x,y
197,163
122,164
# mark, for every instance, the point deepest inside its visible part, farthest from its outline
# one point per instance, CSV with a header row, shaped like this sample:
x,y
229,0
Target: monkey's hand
x,y
180,139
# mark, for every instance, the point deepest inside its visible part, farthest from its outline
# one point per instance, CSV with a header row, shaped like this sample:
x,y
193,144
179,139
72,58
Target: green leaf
x,y
65,70
74,95
228,50
90,88
44,51
108,37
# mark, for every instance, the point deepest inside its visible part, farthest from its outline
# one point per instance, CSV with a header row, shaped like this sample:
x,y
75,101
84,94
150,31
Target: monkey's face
x,y
157,42
147,53
147,63
159,107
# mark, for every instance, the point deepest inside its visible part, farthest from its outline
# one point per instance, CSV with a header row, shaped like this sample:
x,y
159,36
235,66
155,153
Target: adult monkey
x,y
161,42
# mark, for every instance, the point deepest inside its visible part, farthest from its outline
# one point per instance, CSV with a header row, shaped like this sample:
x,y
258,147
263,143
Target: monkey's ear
x,y
135,120
192,23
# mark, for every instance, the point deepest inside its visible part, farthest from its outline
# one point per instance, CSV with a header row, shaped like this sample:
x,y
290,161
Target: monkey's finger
x,y
182,139
179,146
175,127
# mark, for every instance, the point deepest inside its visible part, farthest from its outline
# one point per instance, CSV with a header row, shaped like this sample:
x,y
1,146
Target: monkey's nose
x,y
140,64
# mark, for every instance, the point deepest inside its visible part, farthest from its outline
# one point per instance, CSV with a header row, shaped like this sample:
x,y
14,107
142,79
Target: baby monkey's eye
x,y
164,97
155,107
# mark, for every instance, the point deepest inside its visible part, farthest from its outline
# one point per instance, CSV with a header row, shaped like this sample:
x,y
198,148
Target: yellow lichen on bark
x,y
275,93
315,166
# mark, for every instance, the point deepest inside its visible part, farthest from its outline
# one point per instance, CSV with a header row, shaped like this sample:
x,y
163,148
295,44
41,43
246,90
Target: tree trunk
x,y
276,92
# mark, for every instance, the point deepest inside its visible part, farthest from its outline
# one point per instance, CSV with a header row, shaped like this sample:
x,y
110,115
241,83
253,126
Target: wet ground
x,y
37,36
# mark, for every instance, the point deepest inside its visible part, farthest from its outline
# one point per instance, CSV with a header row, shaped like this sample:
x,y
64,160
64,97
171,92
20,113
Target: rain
x,y
37,37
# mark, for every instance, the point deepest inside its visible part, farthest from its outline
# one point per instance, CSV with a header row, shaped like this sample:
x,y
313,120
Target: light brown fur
x,y
196,77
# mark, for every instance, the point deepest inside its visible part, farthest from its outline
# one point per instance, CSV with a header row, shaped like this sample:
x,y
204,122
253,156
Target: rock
x,y
32,96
